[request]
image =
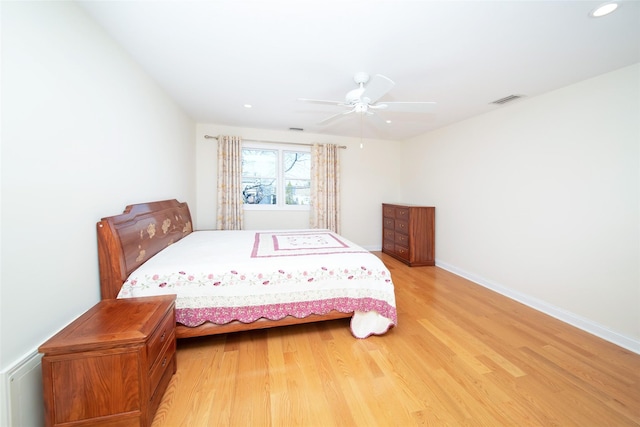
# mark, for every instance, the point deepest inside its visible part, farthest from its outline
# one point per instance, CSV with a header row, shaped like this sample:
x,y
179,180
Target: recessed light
x,y
388,121
247,105
603,9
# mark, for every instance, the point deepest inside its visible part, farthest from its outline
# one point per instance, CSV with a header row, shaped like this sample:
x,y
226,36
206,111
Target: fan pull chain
x,y
361,126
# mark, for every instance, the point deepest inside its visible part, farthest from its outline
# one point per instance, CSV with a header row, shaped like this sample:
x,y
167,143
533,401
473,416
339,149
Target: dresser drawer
x,y
165,361
401,251
401,226
389,246
159,338
388,223
402,213
388,234
389,211
401,239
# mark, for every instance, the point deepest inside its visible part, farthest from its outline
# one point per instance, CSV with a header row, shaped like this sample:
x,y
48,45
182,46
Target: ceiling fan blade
x,y
377,87
335,116
322,101
406,107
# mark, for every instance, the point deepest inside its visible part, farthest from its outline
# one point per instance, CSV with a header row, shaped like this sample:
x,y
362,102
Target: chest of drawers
x,y
408,233
111,366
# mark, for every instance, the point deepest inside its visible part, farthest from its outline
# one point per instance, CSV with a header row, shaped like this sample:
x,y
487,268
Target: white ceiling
x,y
212,57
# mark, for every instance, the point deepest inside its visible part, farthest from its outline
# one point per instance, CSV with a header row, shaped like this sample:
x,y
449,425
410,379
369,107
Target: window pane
x,y
297,171
297,191
259,163
259,171
297,165
259,192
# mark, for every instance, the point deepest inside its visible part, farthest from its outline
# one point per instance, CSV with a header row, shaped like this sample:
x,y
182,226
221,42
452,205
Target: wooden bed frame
x,y
127,240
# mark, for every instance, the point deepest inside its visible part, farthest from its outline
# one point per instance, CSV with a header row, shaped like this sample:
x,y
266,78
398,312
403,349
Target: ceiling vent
x,y
506,99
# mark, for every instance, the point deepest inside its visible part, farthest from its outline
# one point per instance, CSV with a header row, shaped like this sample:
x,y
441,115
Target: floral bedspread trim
x,y
133,286
221,315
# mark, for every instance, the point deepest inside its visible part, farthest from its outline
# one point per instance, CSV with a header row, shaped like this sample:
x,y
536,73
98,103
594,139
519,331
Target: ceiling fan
x,y
365,98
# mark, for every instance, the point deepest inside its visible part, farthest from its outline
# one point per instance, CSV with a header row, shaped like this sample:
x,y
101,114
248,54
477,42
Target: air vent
x,y
506,99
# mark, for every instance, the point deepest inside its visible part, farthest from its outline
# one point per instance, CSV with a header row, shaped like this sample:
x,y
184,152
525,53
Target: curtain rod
x,y
273,142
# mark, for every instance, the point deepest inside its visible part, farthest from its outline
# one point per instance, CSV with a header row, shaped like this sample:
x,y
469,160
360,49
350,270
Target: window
x,y
276,177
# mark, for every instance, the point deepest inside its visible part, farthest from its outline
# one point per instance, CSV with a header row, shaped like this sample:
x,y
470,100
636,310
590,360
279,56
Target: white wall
x,y
84,133
368,178
540,199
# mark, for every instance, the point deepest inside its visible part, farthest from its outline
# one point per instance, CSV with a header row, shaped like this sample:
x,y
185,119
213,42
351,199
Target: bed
x,y
228,281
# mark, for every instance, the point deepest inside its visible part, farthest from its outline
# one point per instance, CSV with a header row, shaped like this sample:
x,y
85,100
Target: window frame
x,y
281,187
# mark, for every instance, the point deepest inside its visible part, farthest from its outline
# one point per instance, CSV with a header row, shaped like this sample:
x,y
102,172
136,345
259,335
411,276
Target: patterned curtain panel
x,y
230,215
325,187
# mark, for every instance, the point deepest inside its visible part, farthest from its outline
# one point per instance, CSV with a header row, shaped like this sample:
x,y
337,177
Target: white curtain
x,y
325,187
230,215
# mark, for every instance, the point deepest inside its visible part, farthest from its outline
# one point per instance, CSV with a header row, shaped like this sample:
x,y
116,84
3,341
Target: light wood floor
x,y
460,355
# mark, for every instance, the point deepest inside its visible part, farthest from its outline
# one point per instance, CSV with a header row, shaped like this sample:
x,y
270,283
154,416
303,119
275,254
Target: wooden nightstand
x,y
111,366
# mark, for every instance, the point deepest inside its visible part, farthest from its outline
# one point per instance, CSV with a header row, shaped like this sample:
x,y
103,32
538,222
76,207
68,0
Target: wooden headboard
x,y
127,240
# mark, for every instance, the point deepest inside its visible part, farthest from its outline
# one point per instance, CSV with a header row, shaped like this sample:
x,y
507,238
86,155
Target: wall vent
x,y
506,99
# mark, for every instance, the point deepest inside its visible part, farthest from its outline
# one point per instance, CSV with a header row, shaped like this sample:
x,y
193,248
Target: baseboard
x,y
553,311
21,393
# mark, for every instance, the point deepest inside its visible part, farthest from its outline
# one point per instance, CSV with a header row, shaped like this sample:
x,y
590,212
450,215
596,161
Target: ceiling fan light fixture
x,y
603,9
364,99
361,107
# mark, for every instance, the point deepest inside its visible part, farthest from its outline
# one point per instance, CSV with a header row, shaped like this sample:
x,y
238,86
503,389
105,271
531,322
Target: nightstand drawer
x,y
164,362
156,397
160,337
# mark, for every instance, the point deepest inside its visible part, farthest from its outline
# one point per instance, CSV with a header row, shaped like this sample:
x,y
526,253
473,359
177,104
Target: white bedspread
x,y
221,276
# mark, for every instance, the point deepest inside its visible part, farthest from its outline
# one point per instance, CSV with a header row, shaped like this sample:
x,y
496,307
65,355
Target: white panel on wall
x,y
24,404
